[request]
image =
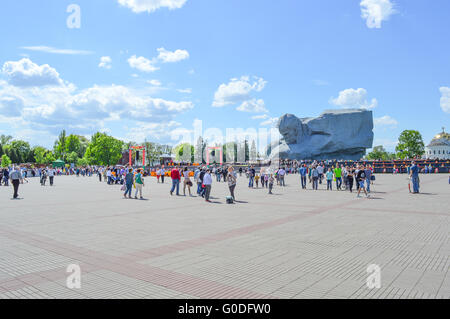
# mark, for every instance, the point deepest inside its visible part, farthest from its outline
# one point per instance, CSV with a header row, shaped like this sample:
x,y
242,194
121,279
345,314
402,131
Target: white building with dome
x,y
439,147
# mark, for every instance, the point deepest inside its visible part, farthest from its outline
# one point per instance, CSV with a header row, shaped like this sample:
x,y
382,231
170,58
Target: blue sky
x,y
228,63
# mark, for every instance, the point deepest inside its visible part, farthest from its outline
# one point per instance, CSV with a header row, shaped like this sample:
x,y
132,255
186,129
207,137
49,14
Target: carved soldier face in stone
x,y
288,126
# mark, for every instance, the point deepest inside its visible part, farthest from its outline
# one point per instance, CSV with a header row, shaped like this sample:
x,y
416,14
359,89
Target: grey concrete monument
x,y
335,134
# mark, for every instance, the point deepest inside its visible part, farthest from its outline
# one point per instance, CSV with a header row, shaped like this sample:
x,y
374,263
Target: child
x,y
266,179
257,180
271,180
329,176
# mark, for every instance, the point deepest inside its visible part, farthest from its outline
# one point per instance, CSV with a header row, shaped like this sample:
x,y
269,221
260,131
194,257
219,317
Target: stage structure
x,y
214,149
137,148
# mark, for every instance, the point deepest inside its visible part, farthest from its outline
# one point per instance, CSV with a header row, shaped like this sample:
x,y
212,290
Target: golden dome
x,y
443,134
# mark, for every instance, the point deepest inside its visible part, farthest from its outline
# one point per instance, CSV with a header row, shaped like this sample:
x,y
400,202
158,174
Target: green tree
x,y
104,150
83,162
184,152
18,151
49,158
39,153
73,144
60,146
6,161
72,157
410,144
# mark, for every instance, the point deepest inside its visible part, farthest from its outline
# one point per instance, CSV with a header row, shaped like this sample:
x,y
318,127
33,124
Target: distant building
x,y
439,147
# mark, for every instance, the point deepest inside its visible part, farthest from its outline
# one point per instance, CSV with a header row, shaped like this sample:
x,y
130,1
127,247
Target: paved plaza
x,y
292,244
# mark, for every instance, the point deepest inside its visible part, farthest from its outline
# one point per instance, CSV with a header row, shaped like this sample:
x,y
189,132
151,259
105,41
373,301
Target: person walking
x,y
175,175
315,177
368,173
51,175
271,181
360,178
350,179
158,174
302,171
187,182
163,174
207,181
231,179
16,178
329,177
338,176
139,184
414,175
251,177
129,178
282,174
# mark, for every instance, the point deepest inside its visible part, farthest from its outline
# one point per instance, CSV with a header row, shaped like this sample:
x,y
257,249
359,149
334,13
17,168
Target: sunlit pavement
x,y
292,244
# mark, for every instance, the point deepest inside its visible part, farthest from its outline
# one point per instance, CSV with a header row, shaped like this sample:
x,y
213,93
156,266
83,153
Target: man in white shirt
x,y
320,171
16,178
108,175
51,175
163,173
281,174
207,181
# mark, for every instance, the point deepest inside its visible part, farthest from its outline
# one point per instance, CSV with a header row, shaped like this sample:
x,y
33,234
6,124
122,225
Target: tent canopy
x,y
58,163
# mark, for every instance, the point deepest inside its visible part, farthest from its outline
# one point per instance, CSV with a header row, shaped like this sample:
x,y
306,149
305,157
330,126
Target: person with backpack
x,y
360,178
129,178
139,184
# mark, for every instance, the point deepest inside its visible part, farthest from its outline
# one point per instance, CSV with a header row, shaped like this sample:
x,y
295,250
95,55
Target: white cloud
x,y
445,99
25,73
52,108
11,106
260,117
385,121
142,64
150,6
152,131
237,91
252,106
354,98
170,57
47,49
270,122
105,62
186,91
154,82
376,11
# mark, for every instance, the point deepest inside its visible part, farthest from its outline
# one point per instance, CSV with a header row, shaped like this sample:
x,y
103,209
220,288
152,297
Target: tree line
x,y
100,149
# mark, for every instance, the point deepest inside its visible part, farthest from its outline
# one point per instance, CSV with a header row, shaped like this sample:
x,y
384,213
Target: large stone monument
x,y
335,134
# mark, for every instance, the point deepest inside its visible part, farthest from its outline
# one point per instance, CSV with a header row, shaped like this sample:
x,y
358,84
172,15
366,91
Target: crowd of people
x,y
356,177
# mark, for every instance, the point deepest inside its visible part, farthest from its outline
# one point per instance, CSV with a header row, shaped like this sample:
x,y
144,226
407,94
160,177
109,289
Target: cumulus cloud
x,y
25,73
385,121
260,117
150,6
52,108
237,90
445,99
354,98
142,64
376,11
270,122
154,82
186,91
11,106
252,106
105,62
169,57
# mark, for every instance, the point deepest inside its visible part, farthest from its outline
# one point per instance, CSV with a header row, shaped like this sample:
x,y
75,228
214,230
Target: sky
x,y
153,69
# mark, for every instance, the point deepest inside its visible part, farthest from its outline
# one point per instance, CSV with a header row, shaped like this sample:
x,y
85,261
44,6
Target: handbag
x,y
123,187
